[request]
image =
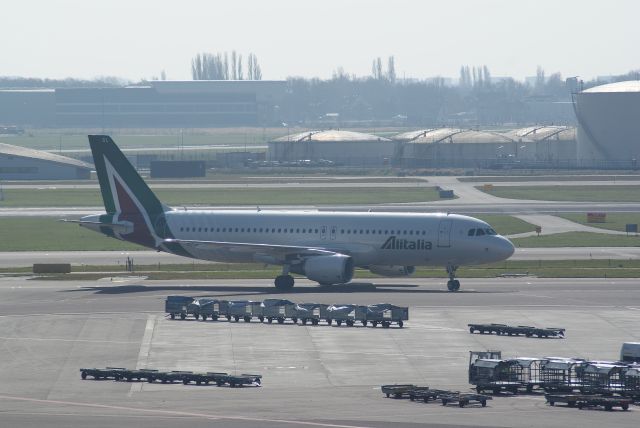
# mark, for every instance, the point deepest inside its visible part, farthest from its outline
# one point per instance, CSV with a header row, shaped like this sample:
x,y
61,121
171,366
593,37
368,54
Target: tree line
x,y
225,66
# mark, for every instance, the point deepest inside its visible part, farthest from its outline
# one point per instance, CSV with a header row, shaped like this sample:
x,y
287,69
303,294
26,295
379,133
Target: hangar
x,y
341,147
553,145
19,163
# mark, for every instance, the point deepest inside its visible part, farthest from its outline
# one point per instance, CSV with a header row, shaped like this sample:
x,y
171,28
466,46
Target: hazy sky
x,y
137,39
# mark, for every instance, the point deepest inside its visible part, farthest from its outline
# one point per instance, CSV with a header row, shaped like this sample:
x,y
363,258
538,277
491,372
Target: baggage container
x,y
211,308
279,310
386,314
348,314
561,374
312,312
178,306
599,378
244,309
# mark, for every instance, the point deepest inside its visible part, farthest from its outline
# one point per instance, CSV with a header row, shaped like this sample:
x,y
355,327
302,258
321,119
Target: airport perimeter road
x,y
106,258
318,376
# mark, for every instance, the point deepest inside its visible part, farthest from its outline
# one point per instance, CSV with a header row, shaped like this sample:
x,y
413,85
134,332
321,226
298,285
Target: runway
x,y
324,376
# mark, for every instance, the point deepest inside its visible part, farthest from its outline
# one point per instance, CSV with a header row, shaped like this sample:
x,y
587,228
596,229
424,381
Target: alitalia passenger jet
x,y
323,246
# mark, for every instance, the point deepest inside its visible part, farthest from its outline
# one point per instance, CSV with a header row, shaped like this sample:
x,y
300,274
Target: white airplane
x,y
323,246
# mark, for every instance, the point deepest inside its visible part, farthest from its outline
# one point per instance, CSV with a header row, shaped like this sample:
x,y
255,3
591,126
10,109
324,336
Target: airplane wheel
x,y
453,285
284,282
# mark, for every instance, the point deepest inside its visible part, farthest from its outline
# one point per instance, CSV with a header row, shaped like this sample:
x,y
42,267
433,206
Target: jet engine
x,y
334,269
392,270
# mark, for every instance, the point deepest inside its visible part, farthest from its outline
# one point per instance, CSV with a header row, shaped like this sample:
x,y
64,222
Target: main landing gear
x,y
453,284
285,281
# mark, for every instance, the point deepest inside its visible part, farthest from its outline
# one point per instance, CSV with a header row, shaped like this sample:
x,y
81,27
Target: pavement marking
x,y
66,340
207,416
145,348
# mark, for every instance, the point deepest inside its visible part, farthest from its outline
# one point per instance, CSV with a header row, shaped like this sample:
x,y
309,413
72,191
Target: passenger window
x,y
181,229
411,232
316,230
297,230
471,232
479,232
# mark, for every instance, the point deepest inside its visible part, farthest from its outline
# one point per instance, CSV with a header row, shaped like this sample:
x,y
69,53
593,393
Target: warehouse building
x,y
339,147
157,104
608,125
19,163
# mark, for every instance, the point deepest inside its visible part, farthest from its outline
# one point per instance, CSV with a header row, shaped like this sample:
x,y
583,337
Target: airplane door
x,y
444,233
323,232
333,232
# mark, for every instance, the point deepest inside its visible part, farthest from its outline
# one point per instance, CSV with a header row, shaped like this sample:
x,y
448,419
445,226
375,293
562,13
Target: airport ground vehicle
x,y
106,373
630,352
386,314
312,312
244,309
506,330
348,314
494,375
582,401
463,399
279,310
178,306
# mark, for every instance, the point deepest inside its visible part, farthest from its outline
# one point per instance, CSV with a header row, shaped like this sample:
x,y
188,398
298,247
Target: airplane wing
x,y
264,252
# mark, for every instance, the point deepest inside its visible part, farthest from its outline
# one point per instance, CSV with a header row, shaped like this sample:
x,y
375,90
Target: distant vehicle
x,y
630,351
323,246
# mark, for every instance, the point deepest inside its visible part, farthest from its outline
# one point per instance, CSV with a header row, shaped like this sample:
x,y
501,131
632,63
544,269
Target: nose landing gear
x,y
453,284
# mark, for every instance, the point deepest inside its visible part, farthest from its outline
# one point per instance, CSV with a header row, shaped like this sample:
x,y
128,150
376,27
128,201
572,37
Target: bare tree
x,y
391,69
376,69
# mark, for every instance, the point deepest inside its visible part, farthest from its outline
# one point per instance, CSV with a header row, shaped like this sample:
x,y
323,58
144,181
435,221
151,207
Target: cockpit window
x,y
471,232
479,232
490,232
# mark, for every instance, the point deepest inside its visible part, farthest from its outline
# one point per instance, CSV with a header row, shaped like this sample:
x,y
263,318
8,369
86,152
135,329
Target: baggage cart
x,y
494,375
386,314
178,306
528,372
397,390
169,377
602,378
631,383
97,374
279,310
427,394
136,374
487,328
312,312
463,399
244,309
561,374
520,330
347,314
237,381
203,378
212,308
582,401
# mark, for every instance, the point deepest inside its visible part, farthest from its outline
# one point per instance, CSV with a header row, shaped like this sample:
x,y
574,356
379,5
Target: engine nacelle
x,y
392,270
334,269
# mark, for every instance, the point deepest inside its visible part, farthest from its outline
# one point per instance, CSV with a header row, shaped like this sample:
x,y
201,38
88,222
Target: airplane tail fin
x,y
123,190
128,200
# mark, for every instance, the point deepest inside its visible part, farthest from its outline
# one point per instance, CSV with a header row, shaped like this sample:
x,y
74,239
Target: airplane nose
x,y
506,248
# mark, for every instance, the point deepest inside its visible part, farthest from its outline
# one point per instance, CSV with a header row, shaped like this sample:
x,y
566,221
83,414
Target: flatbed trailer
x,y
582,401
427,394
136,374
105,373
169,377
464,398
520,330
238,381
398,390
203,378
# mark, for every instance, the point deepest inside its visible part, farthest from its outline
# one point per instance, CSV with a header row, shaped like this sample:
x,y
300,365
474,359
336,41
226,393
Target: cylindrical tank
x,y
608,124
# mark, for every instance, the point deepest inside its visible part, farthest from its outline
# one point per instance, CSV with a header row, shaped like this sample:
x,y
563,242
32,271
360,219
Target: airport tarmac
x,y
325,376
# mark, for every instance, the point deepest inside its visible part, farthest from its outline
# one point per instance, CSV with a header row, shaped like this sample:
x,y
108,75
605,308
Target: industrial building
x,y
608,125
454,147
19,163
552,145
157,104
339,147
